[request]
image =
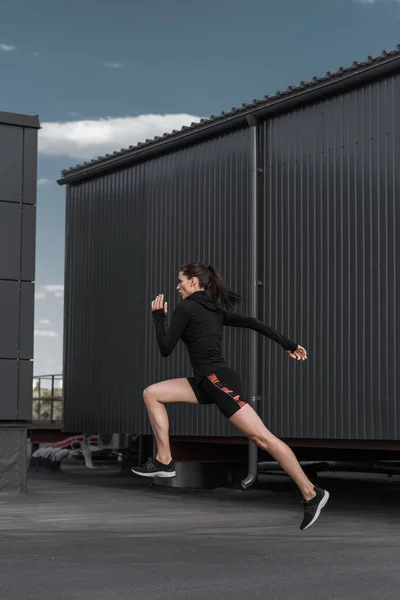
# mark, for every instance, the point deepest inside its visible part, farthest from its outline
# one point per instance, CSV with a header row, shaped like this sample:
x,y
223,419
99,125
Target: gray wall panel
x,y
16,319
11,163
331,267
28,242
26,320
118,257
10,240
30,166
9,319
9,390
18,163
25,390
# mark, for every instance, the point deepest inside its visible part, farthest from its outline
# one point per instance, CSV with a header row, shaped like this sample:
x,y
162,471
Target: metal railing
x,y
47,398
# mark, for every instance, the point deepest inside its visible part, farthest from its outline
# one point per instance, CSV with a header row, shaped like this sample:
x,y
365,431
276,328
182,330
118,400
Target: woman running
x,y
199,320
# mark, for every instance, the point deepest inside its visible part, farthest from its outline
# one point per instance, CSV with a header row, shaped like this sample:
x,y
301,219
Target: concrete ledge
x,y
13,458
204,475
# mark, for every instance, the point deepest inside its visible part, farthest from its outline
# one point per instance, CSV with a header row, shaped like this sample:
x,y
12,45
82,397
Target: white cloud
x,y
89,139
35,54
53,288
113,65
6,48
44,322
45,333
43,181
59,294
39,295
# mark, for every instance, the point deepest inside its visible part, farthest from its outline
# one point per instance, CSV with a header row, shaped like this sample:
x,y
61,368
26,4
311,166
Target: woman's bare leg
x,y
247,420
155,397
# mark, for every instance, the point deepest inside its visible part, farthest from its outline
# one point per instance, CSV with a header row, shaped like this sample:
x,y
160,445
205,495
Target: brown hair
x,y
213,284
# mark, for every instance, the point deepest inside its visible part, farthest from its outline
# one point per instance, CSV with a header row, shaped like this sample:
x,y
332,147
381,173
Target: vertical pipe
x,y
251,477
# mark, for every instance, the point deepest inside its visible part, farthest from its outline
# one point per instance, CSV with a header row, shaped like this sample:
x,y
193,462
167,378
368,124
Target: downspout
x,y
251,477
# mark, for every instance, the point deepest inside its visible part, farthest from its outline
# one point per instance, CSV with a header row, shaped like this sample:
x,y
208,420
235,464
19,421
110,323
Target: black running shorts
x,y
223,388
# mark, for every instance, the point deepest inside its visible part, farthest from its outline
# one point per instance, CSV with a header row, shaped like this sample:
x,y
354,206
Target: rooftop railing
x,y
47,398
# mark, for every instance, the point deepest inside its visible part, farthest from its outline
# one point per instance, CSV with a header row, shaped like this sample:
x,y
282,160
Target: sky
x,y
104,75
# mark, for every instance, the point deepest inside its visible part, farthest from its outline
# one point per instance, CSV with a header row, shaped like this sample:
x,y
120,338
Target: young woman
x,y
199,320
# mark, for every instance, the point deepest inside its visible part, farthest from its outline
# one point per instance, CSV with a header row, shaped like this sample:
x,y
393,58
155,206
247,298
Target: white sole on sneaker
x,y
321,505
164,474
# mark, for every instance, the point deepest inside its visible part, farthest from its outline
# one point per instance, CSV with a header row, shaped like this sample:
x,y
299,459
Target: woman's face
x,y
185,286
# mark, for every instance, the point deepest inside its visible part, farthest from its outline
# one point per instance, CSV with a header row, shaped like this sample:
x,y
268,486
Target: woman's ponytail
x,y
213,284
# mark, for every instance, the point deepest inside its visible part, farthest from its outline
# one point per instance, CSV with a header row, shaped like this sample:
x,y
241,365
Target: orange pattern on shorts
x,y
214,379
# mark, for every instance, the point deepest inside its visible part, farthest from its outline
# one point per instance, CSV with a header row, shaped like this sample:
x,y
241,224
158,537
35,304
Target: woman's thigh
x,y
171,390
225,389
249,422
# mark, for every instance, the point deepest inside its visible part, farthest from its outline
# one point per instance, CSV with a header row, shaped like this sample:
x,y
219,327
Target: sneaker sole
x,y
319,509
163,474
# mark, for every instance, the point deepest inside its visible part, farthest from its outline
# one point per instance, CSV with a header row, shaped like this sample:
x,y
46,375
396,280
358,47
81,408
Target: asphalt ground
x,y
101,535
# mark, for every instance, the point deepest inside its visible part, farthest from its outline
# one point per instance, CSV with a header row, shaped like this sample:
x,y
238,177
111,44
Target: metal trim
x,y
20,120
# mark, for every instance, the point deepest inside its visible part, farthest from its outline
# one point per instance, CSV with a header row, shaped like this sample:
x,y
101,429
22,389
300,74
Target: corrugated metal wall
x,y
331,265
127,235
104,298
328,263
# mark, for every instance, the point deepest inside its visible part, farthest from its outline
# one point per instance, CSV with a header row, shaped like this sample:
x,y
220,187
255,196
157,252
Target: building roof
x,y
306,91
7,118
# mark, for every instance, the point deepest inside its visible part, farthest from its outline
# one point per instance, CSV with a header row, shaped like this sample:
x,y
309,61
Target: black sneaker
x,y
312,508
155,468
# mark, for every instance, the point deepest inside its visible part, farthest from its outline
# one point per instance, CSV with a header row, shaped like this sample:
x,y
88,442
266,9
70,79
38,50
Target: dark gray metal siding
x,y
331,265
18,166
105,261
328,262
127,235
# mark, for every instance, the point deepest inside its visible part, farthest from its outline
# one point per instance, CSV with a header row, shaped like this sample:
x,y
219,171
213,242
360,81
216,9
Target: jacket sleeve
x,y
237,320
167,340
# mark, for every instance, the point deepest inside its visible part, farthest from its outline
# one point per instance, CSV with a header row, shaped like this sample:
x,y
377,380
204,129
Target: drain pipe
x,y
251,477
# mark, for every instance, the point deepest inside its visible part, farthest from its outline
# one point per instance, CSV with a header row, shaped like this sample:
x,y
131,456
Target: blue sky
x,y
103,75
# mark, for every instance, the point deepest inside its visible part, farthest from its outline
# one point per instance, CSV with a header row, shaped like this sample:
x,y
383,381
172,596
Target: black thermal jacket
x,y
199,322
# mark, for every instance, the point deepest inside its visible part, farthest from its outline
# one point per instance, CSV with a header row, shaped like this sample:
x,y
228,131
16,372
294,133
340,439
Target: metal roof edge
x,y
20,120
330,84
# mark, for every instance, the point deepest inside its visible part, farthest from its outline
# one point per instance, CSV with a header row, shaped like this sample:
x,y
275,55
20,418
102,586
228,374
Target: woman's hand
x,y
299,354
159,304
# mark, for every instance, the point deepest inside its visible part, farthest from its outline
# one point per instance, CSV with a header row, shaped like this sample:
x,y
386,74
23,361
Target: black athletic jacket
x,y
199,322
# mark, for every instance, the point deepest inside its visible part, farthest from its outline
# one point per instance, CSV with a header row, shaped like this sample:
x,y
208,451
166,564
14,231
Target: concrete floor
x,y
100,535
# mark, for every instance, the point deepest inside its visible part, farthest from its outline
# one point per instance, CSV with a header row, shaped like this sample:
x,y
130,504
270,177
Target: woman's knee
x,y
257,439
264,439
149,394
